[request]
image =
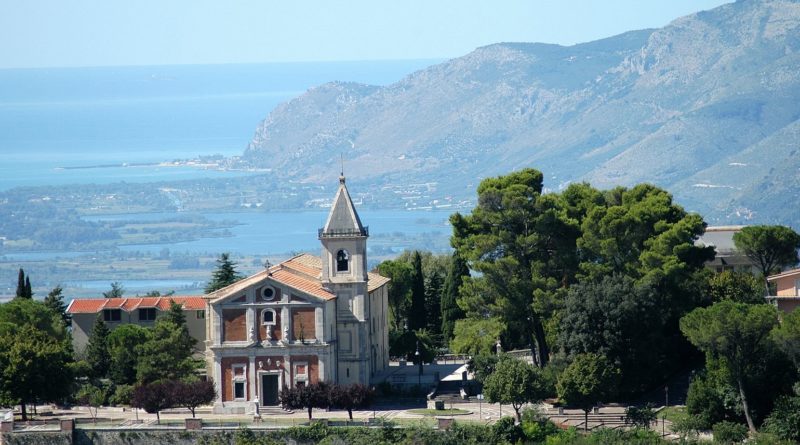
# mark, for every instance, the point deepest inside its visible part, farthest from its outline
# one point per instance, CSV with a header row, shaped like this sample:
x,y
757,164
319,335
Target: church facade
x,y
305,320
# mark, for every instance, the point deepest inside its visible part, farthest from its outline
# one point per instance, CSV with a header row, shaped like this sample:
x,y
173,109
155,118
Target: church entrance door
x,y
269,389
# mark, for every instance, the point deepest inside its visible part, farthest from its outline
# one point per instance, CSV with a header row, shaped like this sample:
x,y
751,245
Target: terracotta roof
x,y
95,305
311,287
376,280
303,268
309,260
238,286
788,273
301,272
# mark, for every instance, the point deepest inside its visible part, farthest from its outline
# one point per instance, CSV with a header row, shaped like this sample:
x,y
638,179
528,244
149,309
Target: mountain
x,y
707,107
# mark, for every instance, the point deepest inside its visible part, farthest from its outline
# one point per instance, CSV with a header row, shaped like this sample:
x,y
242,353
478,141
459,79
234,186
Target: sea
x,y
53,120
117,124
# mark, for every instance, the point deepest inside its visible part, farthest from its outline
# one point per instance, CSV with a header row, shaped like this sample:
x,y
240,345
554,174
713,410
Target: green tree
x,y
28,290
433,305
21,312
116,291
784,421
787,336
513,382
735,333
55,301
739,287
416,314
589,379
224,275
620,320
770,247
400,273
97,354
35,354
641,234
482,366
167,353
522,244
476,336
122,345
21,284
92,396
456,272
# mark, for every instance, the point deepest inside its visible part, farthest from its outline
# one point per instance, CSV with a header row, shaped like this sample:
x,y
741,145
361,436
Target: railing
x,y
322,233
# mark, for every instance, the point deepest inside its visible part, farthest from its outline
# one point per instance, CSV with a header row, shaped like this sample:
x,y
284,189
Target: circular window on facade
x,y
268,293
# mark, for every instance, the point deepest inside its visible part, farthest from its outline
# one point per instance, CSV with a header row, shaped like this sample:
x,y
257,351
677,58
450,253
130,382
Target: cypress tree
x,y
28,290
417,318
433,298
450,310
97,350
21,284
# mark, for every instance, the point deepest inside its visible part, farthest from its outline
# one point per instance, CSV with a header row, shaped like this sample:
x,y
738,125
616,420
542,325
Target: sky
x,y
59,33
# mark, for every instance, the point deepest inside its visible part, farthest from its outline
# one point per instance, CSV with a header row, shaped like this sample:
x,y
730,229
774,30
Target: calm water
x,y
79,117
52,118
282,233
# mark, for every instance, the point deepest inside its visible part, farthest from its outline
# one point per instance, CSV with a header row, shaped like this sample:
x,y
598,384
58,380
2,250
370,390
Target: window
x,y
147,314
342,261
239,381
268,293
300,374
200,315
111,315
268,316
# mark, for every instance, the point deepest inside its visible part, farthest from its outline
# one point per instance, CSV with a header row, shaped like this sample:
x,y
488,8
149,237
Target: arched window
x,y
268,316
342,261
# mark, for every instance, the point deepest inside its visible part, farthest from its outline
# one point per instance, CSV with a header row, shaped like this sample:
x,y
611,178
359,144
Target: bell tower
x,y
344,247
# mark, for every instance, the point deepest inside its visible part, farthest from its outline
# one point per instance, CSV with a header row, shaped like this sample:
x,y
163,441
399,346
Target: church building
x,y
305,320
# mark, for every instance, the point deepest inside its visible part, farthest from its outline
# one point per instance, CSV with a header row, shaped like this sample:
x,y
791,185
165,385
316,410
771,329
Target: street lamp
x,y
419,360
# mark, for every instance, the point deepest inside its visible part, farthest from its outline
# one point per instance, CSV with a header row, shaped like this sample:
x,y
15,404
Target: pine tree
x,y
116,290
450,310
416,316
433,299
167,353
97,354
21,284
224,275
55,301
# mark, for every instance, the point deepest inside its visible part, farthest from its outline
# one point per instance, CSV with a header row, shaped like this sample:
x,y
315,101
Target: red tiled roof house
x,y
137,310
787,285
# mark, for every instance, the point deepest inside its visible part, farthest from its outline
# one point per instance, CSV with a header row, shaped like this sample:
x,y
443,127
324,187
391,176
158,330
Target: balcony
x,y
349,233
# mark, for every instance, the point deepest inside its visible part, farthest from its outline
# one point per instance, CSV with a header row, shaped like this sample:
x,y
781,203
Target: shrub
x,y
535,427
729,432
641,417
687,426
507,430
784,421
705,401
122,395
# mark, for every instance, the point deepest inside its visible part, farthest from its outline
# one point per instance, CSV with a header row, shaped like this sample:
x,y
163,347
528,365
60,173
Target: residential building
x,y
787,290
142,311
727,256
305,320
